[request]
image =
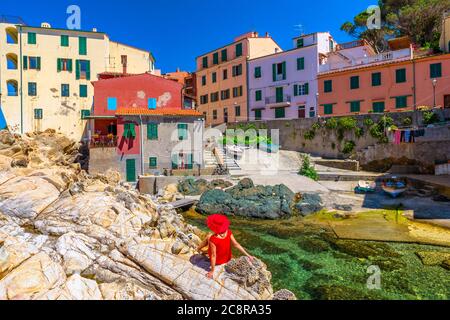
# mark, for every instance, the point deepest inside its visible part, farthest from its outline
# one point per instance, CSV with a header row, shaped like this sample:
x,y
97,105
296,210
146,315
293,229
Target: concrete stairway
x,y
210,159
229,161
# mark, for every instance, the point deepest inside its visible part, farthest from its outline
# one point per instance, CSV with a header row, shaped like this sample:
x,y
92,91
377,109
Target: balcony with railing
x,y
278,100
103,141
350,45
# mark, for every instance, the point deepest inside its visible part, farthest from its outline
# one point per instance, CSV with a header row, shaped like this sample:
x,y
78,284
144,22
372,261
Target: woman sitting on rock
x,y
219,242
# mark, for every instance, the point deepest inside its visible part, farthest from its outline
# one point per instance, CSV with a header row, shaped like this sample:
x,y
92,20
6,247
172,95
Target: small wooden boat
x,y
365,187
394,186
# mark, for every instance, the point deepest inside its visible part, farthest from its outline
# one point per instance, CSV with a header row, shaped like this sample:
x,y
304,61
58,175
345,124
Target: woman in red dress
x,y
219,242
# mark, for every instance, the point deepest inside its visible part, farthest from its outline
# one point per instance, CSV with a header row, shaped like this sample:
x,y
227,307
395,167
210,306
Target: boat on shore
x,y
394,186
364,187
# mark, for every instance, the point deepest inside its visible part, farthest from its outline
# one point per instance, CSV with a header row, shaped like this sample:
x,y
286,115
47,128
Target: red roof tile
x,y
157,112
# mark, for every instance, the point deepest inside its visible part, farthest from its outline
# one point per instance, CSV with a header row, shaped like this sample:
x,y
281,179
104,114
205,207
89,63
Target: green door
x,y
131,170
279,94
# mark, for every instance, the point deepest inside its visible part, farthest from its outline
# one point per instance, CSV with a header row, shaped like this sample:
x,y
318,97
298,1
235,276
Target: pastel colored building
x,y
188,80
356,80
283,85
445,32
139,127
46,74
222,78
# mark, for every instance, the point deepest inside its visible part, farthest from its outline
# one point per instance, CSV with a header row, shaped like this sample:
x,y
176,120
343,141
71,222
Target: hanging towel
x,y
407,136
397,137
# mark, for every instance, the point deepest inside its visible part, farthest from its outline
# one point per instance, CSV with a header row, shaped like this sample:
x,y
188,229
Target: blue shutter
x,y
152,103
112,104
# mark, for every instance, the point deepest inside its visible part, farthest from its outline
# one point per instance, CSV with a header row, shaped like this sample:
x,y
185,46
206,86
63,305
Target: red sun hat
x,y
218,223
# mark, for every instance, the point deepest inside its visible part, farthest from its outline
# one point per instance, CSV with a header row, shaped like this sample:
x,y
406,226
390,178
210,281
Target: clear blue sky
x,y
177,31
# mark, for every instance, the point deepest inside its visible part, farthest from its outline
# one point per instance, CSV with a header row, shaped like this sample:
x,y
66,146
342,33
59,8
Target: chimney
x,y
267,35
178,69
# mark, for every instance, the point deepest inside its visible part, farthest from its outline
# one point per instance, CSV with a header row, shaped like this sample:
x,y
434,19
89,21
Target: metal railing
x,y
277,99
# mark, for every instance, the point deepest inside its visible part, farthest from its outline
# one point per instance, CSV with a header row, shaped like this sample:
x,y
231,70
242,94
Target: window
x,y
301,64
300,43
331,45
38,114
153,162
328,86
400,75
435,70
258,95
279,71
32,63
204,99
279,94
280,113
82,43
214,114
83,69
258,113
32,89
376,79
64,41
312,112
225,94
182,131
257,72
238,50
12,87
225,74
205,62
401,102
354,82
152,103
11,61
237,70
31,38
237,92
112,103
214,96
301,112
216,58
214,77
152,131
378,107
224,55
301,89
65,90
85,114
64,65
355,106
129,130
328,108
83,91
203,80
237,111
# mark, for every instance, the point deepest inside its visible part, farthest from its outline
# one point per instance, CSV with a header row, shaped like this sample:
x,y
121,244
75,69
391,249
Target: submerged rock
x,y
248,200
309,203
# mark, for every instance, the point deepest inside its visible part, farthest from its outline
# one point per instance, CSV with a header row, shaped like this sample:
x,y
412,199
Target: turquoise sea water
x,y
311,262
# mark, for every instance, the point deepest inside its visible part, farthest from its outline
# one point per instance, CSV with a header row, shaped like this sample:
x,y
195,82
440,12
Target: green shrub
x,y
407,121
349,146
368,122
310,135
376,131
316,126
359,132
347,123
429,117
307,170
331,123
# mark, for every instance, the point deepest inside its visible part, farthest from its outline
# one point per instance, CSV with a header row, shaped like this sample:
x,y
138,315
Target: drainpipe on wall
x,y
141,130
21,80
416,120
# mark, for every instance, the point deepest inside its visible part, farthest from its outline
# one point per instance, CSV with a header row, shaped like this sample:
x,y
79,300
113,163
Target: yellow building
x,y
222,78
46,74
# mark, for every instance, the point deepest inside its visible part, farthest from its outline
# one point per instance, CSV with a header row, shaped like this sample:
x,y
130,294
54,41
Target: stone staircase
x,y
229,161
210,159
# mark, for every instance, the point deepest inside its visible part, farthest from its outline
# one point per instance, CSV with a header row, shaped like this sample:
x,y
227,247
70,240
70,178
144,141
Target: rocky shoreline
x,y
67,235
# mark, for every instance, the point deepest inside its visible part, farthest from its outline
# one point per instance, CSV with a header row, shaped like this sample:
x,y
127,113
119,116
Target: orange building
x,y
188,81
222,78
355,80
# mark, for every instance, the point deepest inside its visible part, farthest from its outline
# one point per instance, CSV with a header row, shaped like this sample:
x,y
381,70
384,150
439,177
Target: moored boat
x,y
394,186
365,187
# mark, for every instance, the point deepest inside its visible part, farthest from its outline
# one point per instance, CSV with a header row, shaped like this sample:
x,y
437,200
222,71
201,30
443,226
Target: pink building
x,y
356,80
283,85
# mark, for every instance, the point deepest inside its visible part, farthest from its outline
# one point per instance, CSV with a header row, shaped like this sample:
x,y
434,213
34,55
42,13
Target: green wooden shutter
x,y
190,161
376,79
205,62
400,75
174,161
300,43
378,107
31,38
328,109
82,42
38,114
284,70
328,85
401,102
131,170
224,55
126,130
69,65
274,72
153,162
239,50
77,69
132,130
216,58
64,41
152,131
300,63
306,87
279,94
435,70
88,70
59,64
25,62
38,63
295,90
258,114
83,91
258,95
280,113
354,82
182,131
355,106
